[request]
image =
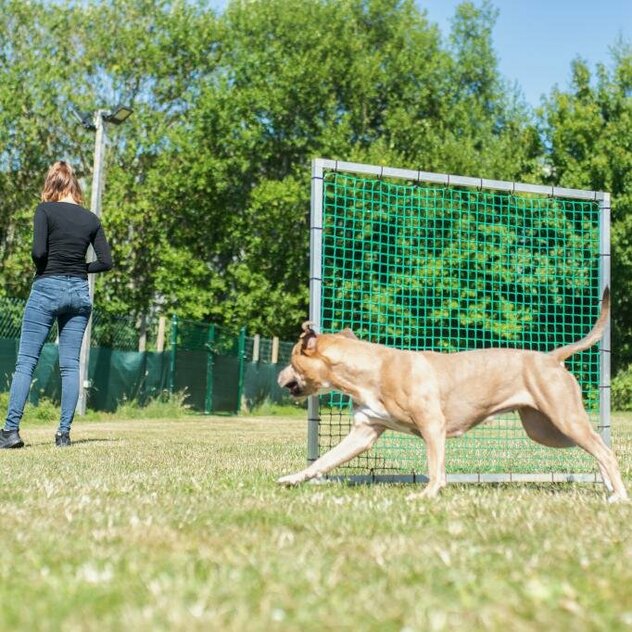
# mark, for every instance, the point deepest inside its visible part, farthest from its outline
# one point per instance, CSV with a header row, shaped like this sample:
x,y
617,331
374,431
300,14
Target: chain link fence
x,y
137,359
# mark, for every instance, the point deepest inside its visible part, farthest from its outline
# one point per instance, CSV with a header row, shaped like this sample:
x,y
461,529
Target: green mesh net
x,y
441,268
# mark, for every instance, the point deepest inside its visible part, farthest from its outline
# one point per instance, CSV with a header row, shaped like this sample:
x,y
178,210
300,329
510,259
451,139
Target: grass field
x,y
179,525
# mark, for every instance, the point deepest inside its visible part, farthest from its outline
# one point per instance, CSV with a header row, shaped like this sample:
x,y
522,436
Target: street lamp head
x,y
120,114
84,118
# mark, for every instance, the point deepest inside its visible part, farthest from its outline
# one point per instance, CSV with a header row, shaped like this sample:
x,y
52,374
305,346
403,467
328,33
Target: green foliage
x,y
164,406
288,411
207,190
11,311
589,138
621,392
44,412
206,201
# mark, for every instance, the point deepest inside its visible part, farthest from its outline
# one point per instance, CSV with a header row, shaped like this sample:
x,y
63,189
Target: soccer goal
x,y
427,261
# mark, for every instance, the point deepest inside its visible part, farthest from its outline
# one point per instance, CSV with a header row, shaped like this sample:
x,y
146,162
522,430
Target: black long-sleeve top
x,y
62,233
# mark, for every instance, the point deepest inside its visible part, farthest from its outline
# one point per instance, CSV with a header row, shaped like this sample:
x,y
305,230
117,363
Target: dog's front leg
x,y
434,434
362,436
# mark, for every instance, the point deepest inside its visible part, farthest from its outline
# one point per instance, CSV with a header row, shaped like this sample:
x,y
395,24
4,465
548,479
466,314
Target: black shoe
x,y
62,439
10,439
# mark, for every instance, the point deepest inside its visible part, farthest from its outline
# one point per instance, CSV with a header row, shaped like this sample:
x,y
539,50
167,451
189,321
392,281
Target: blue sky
x,y
536,40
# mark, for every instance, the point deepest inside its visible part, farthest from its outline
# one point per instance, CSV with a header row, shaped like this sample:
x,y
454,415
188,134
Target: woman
x,y
62,232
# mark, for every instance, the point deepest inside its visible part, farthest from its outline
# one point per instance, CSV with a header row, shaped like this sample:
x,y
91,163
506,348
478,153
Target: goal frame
x,y
319,167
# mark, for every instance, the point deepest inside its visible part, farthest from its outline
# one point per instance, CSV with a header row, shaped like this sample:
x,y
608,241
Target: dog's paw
x,y
414,497
618,498
292,479
426,493
423,495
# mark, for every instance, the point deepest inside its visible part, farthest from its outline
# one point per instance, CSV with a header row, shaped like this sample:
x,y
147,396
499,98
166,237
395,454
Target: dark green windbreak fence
x,y
209,363
217,368
212,366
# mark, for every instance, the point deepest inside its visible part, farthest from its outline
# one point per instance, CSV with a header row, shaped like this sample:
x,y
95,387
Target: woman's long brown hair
x,y
60,182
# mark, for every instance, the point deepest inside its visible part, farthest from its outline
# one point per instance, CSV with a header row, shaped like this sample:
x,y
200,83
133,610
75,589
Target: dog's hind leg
x,y
539,428
362,436
582,433
572,421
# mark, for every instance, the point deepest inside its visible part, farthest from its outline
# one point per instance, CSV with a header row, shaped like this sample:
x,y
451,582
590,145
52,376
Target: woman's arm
x,y
39,253
102,251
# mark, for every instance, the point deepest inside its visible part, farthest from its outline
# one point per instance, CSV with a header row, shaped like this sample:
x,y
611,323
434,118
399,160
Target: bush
x,y
622,390
270,409
45,412
165,406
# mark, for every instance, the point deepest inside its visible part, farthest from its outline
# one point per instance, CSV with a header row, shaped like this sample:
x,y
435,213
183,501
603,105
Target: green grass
x,y
288,411
162,525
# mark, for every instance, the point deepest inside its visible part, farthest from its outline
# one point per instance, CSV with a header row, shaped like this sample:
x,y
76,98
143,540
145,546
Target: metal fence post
x,y
256,348
241,357
172,356
605,347
210,361
160,339
315,287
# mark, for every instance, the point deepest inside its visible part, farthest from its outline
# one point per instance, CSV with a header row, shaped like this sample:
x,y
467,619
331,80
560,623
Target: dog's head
x,y
309,370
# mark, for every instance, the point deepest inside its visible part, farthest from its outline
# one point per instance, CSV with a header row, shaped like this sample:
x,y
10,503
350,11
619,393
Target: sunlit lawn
x,y
179,525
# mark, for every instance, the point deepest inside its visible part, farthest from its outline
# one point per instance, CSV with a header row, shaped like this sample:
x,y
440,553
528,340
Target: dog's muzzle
x,y
294,388
287,379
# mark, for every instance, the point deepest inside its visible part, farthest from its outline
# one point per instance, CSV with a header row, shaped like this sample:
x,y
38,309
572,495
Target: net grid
x,y
445,268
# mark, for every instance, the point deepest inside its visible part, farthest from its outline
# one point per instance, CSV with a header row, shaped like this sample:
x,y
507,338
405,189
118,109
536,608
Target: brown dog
x,y
440,395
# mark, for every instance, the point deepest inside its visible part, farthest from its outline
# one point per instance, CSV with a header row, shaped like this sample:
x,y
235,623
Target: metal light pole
x,y
95,207
98,179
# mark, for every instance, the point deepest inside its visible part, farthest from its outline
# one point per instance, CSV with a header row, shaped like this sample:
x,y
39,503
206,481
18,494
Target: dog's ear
x,y
308,337
348,333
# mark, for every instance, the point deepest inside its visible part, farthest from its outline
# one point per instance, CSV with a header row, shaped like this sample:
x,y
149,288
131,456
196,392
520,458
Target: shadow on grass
x,y
37,444
78,441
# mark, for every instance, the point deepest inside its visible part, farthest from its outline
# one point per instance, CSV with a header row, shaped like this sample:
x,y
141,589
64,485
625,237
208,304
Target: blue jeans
x,y
67,300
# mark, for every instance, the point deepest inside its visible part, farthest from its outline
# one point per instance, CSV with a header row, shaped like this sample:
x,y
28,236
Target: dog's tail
x,y
561,353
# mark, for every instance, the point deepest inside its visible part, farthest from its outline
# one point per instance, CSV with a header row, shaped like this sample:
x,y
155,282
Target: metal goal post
x,y
419,260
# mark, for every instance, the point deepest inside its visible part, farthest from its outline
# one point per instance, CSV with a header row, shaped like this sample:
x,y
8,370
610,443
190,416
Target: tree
x,y
207,189
588,131
355,80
